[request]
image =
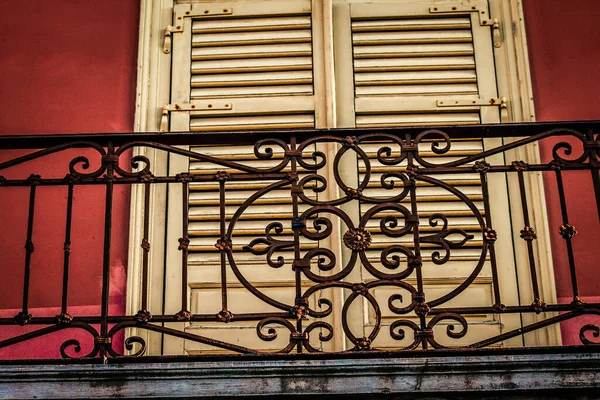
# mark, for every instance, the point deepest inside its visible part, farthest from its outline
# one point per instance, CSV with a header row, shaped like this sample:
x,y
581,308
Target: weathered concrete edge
x,y
436,375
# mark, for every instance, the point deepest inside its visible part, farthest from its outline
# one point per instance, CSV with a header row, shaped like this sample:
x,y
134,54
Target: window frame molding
x,y
153,92
514,83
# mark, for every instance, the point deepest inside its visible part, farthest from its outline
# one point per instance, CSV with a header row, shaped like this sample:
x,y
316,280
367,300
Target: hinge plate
x,y
202,12
203,105
484,17
182,11
471,102
450,8
498,102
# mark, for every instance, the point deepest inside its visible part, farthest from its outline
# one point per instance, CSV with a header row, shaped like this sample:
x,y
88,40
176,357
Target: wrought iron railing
x,y
300,165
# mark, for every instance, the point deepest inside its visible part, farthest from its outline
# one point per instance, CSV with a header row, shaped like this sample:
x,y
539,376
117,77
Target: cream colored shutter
x,y
412,66
250,68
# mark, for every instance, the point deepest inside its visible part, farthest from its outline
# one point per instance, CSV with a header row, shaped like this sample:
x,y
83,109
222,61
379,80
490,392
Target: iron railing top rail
x,y
8,142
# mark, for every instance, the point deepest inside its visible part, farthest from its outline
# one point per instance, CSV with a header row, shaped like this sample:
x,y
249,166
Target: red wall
x,y
66,67
564,54
69,66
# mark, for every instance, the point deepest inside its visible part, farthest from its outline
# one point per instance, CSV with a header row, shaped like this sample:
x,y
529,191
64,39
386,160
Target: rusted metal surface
x,y
320,267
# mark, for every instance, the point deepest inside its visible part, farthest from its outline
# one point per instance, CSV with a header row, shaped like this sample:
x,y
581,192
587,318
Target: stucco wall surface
x,y
66,67
564,54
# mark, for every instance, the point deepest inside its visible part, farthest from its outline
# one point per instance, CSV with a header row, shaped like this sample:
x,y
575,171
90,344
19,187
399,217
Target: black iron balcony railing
x,y
411,241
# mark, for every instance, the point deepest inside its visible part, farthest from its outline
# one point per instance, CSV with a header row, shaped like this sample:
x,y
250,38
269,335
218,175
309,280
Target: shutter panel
x,y
240,57
258,60
408,58
405,60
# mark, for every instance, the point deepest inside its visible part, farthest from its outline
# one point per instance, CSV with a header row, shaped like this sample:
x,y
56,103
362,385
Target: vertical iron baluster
x,y
595,170
109,159
24,317
528,234
64,317
596,180
184,314
298,271
421,307
567,231
489,237
184,251
224,315
144,314
593,148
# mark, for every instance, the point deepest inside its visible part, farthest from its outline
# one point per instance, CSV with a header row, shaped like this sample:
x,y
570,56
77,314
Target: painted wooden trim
x,y
512,58
153,86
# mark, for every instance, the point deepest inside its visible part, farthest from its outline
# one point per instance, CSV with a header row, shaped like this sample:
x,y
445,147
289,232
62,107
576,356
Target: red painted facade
x,y
66,67
564,56
70,66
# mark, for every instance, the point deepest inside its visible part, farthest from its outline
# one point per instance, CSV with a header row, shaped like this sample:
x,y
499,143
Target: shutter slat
x,y
245,52
251,24
253,79
414,64
413,50
442,89
252,65
252,123
412,24
254,91
411,37
251,38
374,120
414,78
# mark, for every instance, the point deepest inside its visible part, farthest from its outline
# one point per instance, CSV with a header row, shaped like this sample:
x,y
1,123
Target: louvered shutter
x,y
250,68
255,65
409,64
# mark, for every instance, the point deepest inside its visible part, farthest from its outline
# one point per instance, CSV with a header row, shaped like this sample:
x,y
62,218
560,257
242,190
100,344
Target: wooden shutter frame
x,y
153,88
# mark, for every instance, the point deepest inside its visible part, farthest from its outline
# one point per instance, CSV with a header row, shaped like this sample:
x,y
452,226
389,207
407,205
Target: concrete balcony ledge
x,y
475,376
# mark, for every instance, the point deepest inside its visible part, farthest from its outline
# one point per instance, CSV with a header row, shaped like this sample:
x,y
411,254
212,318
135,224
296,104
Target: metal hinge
x,y
182,11
499,102
484,17
204,105
168,31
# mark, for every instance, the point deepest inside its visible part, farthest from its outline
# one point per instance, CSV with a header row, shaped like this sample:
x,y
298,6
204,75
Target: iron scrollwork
x,y
389,242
